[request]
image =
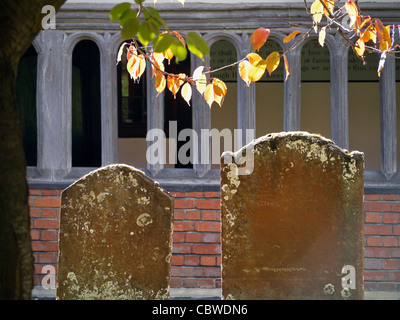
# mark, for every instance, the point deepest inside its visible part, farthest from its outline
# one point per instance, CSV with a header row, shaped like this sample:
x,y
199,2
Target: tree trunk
x,y
20,22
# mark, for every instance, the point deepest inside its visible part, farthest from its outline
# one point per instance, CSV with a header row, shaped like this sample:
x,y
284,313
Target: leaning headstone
x,y
292,228
115,237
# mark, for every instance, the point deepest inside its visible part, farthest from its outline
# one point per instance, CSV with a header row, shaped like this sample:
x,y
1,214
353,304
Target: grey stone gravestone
x,y
293,228
115,237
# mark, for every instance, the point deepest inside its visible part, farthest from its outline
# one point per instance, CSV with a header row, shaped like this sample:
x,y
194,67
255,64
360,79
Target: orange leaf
x,y
175,82
330,4
160,82
273,62
258,38
291,36
379,30
136,66
369,34
220,91
286,66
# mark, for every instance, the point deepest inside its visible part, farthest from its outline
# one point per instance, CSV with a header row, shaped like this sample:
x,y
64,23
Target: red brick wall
x,y
196,259
382,242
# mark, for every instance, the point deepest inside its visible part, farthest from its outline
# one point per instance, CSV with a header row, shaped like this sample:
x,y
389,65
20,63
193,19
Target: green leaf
x,y
178,49
139,1
163,42
127,15
118,10
146,32
197,45
130,28
153,13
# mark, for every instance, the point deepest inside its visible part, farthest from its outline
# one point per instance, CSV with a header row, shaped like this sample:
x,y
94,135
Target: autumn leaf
x,y
272,62
186,92
258,38
317,10
120,52
381,62
200,79
291,36
369,34
244,68
330,4
209,94
220,91
360,47
215,92
352,11
286,66
160,83
174,82
136,66
321,36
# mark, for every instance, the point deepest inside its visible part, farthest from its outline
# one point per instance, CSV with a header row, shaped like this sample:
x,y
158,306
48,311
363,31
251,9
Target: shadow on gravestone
x,y
293,228
115,237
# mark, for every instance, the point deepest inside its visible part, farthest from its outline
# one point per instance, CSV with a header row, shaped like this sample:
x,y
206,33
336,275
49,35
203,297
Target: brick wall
x,y
382,242
196,259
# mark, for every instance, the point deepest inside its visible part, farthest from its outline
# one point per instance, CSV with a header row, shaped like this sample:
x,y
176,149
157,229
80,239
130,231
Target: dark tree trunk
x,y
20,22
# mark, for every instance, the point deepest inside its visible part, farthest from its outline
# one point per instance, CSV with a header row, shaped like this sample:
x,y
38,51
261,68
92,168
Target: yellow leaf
x,y
291,36
182,1
317,9
209,94
386,35
360,47
257,67
321,36
244,68
201,83
186,92
352,11
258,38
273,62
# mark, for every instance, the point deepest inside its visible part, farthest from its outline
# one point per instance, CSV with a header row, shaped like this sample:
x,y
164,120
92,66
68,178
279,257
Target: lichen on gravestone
x,y
115,237
292,224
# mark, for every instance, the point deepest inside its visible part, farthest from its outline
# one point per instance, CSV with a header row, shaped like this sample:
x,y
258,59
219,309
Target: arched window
x,y
132,117
26,101
86,105
364,108
269,95
223,53
177,110
315,89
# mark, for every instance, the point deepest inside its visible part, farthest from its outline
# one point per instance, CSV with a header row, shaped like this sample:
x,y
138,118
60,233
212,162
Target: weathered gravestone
x,y
293,228
115,237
